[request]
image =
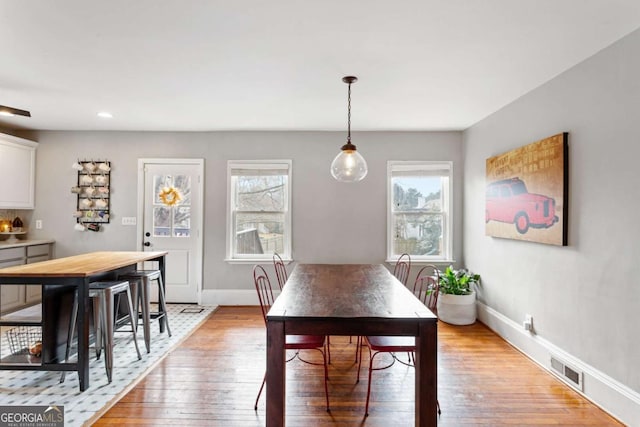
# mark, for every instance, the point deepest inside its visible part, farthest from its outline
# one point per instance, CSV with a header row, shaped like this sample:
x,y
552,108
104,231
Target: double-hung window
x,y
259,209
419,210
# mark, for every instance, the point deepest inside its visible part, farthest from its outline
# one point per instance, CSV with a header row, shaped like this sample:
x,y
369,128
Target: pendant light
x,y
349,165
11,112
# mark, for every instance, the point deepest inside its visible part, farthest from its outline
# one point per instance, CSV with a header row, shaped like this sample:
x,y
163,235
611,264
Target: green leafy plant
x,y
457,282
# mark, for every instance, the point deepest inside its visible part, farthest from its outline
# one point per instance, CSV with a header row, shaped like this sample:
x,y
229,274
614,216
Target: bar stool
x,y
143,278
103,295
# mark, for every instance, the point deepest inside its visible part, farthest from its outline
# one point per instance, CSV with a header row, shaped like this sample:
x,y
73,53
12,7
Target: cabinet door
x,y
17,172
33,293
11,296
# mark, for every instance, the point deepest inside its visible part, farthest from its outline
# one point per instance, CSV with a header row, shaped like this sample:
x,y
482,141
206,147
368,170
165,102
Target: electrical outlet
x,y
128,220
38,224
528,323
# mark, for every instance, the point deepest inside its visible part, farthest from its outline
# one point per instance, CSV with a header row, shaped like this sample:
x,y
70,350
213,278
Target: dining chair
x,y
426,289
281,274
103,296
292,342
281,270
403,268
401,272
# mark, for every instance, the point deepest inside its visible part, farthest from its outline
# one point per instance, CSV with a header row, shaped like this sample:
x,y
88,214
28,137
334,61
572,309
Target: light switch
x,y
128,220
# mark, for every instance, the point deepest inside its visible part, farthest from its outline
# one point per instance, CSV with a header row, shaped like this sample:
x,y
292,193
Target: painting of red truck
x,y
526,192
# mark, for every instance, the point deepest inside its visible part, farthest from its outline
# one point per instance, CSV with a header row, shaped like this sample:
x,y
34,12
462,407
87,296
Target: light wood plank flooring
x,y
212,380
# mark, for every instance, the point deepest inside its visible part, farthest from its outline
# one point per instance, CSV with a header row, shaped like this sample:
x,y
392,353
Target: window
x,y
419,213
259,210
172,219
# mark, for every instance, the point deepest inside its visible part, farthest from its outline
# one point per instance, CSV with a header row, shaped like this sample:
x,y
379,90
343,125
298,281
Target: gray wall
x,y
332,222
584,298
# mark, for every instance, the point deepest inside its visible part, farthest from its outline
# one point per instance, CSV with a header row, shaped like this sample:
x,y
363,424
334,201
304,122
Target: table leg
x,y
275,374
427,374
83,332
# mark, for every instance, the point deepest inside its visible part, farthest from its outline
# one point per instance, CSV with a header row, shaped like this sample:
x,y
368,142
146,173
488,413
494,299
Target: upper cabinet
x,y
17,172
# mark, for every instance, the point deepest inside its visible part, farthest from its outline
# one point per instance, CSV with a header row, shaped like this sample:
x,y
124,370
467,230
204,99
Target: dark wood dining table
x,y
350,299
60,278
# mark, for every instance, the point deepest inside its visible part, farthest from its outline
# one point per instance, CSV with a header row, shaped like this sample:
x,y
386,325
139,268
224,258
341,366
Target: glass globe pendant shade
x,y
349,165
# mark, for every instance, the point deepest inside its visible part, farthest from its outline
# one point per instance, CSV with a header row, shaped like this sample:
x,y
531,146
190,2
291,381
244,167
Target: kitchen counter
x,y
26,242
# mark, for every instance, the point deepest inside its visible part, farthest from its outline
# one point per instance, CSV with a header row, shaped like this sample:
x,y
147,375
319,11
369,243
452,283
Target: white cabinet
x,y
13,297
17,172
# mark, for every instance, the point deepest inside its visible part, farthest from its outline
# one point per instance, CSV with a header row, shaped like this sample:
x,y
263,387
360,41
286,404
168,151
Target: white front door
x,y
171,192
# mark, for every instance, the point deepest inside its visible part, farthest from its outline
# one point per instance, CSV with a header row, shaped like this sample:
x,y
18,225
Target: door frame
x,y
199,260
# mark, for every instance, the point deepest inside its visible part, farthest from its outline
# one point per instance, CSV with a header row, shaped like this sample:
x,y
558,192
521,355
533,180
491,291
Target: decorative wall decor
x,y
527,192
93,191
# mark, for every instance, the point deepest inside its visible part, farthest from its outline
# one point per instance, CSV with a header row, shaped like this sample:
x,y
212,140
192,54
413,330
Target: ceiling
x,y
195,65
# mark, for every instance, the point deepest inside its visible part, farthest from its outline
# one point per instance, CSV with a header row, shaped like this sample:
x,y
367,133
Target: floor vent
x,y
566,373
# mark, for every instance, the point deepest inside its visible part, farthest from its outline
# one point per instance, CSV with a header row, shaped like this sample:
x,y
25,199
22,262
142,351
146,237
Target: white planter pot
x,y
457,309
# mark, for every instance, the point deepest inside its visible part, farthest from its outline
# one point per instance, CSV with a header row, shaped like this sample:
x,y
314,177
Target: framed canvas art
x,y
526,193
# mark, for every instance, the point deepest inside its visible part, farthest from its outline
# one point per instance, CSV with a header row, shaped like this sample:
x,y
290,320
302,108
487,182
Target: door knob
x,y
147,234
147,243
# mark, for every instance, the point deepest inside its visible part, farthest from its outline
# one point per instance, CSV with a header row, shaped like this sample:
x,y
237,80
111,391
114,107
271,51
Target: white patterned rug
x,y
19,388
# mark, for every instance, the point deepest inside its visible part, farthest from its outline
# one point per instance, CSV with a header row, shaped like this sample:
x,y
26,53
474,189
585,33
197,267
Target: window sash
x,y
420,169
241,241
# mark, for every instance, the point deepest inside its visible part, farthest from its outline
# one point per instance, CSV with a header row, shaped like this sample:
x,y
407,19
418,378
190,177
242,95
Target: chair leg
x,y
72,331
326,377
163,306
371,356
133,324
358,359
106,320
329,348
264,379
97,325
146,320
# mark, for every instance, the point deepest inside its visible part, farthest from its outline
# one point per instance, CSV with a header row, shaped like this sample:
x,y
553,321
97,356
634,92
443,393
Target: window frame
x,y
231,256
447,208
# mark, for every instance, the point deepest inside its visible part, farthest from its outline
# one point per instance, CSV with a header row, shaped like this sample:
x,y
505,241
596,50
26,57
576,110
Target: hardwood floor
x,y
212,380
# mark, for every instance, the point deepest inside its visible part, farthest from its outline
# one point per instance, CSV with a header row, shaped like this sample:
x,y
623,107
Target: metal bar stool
x,y
103,295
143,278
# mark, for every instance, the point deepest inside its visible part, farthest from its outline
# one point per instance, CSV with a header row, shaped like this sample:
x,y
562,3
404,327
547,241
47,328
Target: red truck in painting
x,y
509,201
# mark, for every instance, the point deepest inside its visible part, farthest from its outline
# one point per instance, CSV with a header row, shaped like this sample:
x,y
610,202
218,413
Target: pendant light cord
x,y
349,116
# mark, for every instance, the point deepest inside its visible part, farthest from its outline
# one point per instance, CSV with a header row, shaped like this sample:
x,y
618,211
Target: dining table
x,y
60,279
350,300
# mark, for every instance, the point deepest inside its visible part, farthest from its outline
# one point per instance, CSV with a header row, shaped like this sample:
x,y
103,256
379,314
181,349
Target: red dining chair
x,y
292,342
426,288
281,270
403,268
281,274
401,272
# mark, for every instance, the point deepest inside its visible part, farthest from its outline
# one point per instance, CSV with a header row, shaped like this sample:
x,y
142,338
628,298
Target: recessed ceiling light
x,y
105,115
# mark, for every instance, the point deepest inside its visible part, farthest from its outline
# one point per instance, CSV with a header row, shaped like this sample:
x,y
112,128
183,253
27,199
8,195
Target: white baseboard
x,y
610,395
231,297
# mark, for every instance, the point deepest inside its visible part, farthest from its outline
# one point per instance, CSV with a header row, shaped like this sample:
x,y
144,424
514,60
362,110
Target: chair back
x,y
427,286
281,270
263,288
402,268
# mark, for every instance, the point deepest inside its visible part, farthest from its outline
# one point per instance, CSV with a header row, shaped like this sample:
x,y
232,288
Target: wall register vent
x,y
566,373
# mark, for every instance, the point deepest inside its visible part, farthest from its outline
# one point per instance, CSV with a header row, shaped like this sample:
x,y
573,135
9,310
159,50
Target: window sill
x,y
254,261
425,261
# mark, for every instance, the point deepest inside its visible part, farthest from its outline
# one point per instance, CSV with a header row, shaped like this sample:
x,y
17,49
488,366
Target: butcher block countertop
x,y
80,265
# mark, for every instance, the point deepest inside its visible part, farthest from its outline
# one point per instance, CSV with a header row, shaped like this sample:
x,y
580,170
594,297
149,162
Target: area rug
x,y
20,388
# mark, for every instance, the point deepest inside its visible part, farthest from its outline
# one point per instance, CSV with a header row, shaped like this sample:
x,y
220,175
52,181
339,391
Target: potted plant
x,y
457,300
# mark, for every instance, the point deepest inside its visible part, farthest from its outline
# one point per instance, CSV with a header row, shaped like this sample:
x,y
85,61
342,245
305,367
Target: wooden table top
x,y
80,265
326,291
